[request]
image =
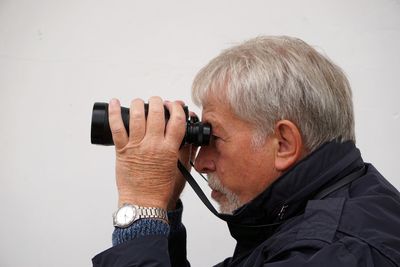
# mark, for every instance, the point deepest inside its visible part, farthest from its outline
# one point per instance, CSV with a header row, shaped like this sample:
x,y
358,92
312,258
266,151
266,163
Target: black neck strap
x,y
226,217
341,183
238,231
189,178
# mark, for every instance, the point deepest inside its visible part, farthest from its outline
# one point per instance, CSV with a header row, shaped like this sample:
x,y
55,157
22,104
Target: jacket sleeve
x,y
151,250
346,252
177,238
148,242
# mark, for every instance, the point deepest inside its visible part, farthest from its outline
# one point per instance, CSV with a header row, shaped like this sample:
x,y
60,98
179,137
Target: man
x,y
282,164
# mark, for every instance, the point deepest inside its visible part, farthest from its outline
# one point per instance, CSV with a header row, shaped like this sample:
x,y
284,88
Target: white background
x,y
57,58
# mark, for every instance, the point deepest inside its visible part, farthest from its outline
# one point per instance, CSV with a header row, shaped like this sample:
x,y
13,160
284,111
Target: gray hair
x,y
268,79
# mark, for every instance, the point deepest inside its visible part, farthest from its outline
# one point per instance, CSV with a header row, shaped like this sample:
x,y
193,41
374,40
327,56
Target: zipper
x,y
282,211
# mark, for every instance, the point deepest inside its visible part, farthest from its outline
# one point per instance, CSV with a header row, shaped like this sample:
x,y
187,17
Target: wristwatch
x,y
129,213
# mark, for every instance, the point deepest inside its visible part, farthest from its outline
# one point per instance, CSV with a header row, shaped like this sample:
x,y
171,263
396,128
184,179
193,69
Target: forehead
x,y
214,109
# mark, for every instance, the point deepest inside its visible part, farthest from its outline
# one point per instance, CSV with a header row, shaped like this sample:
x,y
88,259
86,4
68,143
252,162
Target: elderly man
x,y
282,164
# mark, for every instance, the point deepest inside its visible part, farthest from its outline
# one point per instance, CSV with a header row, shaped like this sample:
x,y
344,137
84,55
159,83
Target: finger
x,y
137,121
186,154
193,117
193,152
120,137
176,126
180,102
155,125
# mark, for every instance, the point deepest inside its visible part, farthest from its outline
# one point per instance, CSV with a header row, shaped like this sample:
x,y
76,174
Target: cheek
x,y
225,170
235,162
247,173
232,171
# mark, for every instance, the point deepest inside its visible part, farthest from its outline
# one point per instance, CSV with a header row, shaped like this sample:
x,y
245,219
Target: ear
x,y
290,148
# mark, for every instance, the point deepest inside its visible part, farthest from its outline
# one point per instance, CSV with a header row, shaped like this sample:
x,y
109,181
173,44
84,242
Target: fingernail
x,y
113,101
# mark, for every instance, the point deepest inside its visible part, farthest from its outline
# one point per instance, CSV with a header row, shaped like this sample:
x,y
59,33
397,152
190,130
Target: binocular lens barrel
x,y
197,133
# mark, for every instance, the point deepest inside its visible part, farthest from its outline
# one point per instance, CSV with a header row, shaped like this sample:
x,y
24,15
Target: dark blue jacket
x,y
288,224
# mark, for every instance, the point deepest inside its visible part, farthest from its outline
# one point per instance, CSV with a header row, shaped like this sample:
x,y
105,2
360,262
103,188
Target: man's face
x,y
237,169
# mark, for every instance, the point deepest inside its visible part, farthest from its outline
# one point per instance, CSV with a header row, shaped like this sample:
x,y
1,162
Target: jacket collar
x,y
288,195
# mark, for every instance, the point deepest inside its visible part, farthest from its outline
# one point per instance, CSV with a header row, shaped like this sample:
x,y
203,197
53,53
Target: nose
x,y
204,162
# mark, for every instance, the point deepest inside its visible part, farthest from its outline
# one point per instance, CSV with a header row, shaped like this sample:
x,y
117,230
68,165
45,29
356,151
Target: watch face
x,y
126,215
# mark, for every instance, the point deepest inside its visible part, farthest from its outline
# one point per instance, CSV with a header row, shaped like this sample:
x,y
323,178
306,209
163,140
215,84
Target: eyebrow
x,y
216,125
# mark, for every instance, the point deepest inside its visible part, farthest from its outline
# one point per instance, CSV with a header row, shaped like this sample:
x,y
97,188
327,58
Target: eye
x,y
215,138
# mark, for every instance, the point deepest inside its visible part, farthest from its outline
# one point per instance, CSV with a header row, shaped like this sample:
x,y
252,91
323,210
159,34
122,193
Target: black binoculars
x,y
197,133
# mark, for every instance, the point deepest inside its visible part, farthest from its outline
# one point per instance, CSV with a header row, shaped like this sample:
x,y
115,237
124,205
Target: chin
x,y
228,208
223,210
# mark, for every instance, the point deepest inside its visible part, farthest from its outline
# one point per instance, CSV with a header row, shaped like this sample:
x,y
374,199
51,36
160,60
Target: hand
x,y
187,154
146,159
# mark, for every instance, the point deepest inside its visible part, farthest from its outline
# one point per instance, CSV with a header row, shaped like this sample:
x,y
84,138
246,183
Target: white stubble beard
x,y
232,201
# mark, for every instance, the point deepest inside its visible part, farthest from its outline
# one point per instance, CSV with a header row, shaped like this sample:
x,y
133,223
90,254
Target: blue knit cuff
x,y
142,227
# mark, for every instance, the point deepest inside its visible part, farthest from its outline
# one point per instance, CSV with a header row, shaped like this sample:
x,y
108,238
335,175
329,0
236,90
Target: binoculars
x,y
197,133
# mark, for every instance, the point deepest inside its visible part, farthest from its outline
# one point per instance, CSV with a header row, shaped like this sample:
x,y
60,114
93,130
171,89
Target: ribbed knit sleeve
x,y
145,227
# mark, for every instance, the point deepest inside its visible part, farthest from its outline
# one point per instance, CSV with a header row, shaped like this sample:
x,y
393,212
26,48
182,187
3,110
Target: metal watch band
x,y
129,213
152,212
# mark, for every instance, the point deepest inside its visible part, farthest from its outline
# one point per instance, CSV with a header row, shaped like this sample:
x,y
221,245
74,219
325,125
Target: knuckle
x,y
179,114
137,101
158,111
180,118
180,102
136,110
156,106
137,115
113,111
117,130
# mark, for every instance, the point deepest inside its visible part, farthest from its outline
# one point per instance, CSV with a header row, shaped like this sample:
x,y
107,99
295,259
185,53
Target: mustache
x,y
215,184
232,200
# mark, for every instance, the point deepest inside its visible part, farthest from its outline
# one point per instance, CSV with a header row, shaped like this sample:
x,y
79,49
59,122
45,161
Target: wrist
x,y
143,196
172,205
128,214
143,203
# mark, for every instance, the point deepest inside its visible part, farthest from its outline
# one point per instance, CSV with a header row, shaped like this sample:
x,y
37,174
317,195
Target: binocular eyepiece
x,y
197,133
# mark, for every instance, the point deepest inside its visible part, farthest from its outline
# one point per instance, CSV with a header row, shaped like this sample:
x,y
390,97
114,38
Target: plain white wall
x,y
57,58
